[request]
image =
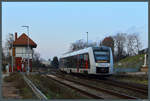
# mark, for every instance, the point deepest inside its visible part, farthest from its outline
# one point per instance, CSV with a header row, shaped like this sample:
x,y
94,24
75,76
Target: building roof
x,y
23,41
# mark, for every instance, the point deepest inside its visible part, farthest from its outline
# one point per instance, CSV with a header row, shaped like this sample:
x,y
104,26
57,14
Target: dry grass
x,y
20,84
131,62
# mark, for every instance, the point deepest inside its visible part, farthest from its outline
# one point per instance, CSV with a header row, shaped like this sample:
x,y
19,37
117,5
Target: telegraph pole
x,y
12,61
87,39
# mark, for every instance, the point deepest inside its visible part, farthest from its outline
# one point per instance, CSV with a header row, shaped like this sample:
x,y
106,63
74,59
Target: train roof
x,y
101,48
85,50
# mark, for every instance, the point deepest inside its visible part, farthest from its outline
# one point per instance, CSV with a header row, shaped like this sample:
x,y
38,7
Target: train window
x,y
86,61
72,64
63,62
86,57
81,56
77,61
69,62
74,61
101,56
81,60
60,63
101,53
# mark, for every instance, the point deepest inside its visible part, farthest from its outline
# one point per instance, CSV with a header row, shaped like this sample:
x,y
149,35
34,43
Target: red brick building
x,y
20,52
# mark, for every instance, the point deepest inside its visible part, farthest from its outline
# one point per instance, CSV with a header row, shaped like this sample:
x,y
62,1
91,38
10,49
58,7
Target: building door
x,y
18,64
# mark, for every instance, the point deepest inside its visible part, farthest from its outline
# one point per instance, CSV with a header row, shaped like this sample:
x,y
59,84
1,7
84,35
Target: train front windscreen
x,y
102,56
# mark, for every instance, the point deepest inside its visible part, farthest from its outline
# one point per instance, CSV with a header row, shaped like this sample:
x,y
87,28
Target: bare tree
x,y
55,62
36,56
80,44
133,44
138,42
100,43
8,45
36,59
119,43
92,44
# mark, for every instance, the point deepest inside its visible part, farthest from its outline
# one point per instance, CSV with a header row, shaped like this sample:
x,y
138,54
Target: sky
x,y
55,25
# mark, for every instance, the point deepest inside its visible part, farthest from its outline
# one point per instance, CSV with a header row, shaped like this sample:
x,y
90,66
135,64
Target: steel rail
x,y
100,89
37,92
124,85
137,88
80,90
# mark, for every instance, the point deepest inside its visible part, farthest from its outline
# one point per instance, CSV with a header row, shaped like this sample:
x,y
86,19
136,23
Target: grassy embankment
x,y
24,91
131,62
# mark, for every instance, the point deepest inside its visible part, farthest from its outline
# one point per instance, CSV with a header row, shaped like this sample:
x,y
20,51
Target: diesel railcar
x,y
91,60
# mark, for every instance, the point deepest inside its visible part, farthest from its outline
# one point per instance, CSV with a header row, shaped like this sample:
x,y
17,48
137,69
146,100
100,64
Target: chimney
x,y
15,35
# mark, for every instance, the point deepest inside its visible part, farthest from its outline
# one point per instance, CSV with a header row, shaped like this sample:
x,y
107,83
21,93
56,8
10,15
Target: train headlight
x,y
96,64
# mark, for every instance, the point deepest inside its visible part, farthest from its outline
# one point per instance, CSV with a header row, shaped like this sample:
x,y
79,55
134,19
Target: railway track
x,y
143,90
83,91
37,92
92,91
139,91
136,88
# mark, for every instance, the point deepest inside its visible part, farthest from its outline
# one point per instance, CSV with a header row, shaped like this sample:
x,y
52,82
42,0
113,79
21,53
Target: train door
x,y
111,62
86,61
